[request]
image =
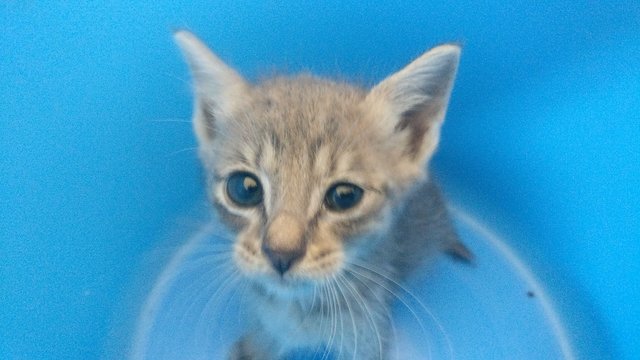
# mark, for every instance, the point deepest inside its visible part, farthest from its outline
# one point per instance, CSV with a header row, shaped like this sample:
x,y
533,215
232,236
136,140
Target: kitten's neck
x,y
420,229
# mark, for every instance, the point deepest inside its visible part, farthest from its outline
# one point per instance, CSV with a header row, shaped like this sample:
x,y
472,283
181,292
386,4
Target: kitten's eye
x,y
343,196
244,189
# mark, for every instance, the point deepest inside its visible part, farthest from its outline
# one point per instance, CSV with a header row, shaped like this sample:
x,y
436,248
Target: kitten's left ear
x,y
411,104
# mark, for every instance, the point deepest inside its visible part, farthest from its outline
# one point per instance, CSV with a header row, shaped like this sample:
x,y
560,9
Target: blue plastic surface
x,y
541,144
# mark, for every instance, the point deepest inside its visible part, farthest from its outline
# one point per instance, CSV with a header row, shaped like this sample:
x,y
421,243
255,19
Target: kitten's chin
x,y
285,286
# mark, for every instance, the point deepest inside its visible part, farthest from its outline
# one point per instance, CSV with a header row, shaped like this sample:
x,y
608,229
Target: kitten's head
x,y
308,171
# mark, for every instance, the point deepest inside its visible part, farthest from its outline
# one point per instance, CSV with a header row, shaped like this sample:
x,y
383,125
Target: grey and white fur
x,y
320,276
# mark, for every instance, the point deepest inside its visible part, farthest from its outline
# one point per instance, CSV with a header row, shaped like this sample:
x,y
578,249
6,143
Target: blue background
x,y
542,142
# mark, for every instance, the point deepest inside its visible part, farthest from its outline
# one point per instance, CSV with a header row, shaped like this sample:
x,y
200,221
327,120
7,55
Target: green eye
x,y
343,196
244,189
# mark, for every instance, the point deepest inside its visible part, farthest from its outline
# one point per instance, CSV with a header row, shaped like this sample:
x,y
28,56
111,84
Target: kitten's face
x,y
308,171
301,174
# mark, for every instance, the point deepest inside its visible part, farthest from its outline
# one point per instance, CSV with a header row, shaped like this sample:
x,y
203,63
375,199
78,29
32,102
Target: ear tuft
x,y
218,88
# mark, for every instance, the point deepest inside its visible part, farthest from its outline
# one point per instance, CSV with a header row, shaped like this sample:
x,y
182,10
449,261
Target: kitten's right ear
x,y
218,88
411,106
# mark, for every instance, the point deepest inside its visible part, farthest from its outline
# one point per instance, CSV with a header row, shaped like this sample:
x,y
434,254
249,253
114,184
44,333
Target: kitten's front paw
x,y
240,352
246,349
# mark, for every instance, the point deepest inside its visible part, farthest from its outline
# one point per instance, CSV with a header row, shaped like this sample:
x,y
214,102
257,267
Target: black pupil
x,y
343,196
244,189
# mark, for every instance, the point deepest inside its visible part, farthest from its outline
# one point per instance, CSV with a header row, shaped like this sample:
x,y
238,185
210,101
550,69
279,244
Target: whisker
x,y
394,294
353,322
218,248
367,310
417,300
177,152
235,279
215,261
171,120
180,79
336,311
330,313
197,283
212,301
340,311
187,299
322,317
384,305
313,300
214,130
193,300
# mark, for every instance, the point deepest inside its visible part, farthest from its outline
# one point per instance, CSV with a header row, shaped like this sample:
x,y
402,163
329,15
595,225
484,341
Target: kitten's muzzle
x,y
284,242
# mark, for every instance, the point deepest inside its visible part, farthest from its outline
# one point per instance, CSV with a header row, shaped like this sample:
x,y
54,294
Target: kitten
x,y
325,186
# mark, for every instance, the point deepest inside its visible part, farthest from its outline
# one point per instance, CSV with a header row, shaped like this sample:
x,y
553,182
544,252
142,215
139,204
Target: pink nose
x,y
284,242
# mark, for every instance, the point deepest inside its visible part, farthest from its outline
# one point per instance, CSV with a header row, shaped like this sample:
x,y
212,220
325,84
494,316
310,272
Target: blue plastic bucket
x,y
540,156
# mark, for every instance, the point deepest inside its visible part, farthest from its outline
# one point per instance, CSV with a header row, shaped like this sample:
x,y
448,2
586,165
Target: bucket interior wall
x,y
99,173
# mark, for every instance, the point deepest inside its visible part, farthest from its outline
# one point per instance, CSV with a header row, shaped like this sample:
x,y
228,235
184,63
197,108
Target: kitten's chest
x,y
303,323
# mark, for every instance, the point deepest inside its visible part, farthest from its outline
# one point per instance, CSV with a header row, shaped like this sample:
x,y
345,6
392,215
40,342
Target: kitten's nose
x,y
281,260
284,242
